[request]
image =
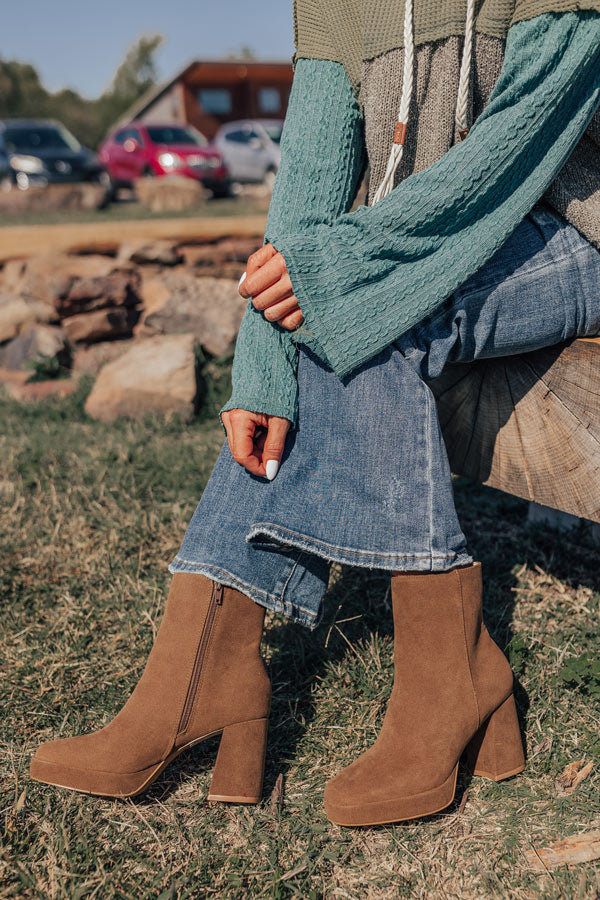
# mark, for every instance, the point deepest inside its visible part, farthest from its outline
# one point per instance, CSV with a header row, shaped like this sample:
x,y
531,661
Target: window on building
x,y
269,100
215,100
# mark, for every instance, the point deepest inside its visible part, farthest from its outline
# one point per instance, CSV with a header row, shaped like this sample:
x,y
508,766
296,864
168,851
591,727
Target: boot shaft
x,y
232,683
441,641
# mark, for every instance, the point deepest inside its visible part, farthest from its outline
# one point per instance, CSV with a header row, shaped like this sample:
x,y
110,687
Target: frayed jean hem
x,y
417,562
263,598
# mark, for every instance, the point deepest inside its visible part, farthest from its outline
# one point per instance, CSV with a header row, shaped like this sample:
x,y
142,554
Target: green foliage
x,y
517,652
22,95
583,674
46,368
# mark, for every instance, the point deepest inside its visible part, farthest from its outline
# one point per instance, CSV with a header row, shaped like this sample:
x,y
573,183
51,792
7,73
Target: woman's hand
x,y
256,440
268,283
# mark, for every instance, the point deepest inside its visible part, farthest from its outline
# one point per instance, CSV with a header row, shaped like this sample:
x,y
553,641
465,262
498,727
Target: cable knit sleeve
x,y
366,278
323,158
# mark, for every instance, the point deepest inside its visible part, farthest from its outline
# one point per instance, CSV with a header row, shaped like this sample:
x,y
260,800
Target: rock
x,y
85,294
209,308
48,277
160,253
38,390
229,249
171,193
13,271
16,313
222,259
76,196
32,343
157,374
100,325
88,360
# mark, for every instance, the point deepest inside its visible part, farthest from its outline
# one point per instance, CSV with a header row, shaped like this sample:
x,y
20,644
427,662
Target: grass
x,y
126,211
90,516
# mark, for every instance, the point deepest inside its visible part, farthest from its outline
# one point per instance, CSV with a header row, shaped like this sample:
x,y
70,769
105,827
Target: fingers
x,y
243,425
273,447
293,320
268,273
226,423
259,257
282,309
259,452
273,294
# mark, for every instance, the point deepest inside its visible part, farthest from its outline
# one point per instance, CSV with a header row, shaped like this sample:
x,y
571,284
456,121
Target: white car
x,y
250,148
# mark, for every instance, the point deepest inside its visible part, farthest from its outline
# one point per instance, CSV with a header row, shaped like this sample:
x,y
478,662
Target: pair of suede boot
x,y
453,691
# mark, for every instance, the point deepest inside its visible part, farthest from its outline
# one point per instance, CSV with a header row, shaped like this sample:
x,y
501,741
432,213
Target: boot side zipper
x,y
216,599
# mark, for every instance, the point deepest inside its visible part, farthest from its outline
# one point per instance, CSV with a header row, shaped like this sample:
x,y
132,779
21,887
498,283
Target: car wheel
x,y
222,191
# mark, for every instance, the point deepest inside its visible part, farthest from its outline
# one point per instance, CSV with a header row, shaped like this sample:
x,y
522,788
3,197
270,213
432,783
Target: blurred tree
x,y
22,95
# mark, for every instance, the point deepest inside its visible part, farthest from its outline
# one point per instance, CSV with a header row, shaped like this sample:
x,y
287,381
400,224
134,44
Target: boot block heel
x,y
496,750
240,765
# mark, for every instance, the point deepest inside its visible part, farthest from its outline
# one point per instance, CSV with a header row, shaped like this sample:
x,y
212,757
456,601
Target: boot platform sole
x,y
407,808
130,785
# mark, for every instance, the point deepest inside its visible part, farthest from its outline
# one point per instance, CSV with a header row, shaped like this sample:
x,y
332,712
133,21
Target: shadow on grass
x,y
360,599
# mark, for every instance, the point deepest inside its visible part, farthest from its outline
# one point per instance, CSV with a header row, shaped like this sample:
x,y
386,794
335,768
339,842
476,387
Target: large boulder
x,y
88,360
209,308
100,325
17,313
170,193
33,343
157,374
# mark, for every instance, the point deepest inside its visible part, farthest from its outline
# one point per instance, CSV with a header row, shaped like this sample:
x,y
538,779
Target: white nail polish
x,y
272,468
243,278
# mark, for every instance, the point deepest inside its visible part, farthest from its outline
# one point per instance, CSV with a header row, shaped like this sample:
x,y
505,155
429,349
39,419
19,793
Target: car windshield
x,y
19,138
175,134
274,132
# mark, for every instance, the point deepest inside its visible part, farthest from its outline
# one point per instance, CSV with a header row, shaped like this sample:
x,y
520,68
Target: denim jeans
x,y
365,478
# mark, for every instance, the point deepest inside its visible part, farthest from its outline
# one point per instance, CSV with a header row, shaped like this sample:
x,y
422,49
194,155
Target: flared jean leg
x,y
365,478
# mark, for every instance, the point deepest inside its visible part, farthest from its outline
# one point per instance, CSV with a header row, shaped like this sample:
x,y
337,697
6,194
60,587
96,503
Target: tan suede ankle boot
x,y
453,690
204,675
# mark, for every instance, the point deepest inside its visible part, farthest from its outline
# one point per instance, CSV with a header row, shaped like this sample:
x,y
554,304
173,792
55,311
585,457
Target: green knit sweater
x,y
363,278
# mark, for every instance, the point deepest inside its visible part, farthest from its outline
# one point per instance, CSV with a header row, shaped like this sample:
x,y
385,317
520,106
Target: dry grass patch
x,y
90,516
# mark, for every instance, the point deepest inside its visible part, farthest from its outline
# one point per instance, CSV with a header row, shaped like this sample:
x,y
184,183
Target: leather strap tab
x,y
400,133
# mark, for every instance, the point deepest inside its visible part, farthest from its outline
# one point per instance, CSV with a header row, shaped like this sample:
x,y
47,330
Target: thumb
x,y
277,429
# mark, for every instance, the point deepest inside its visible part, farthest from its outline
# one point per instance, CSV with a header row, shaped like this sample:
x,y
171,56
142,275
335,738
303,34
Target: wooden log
x,y
528,424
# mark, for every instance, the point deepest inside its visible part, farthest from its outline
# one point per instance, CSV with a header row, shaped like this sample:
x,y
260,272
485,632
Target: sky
x,y
79,44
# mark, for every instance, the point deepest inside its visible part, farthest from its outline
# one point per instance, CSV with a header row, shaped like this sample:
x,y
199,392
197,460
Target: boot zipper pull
x,y
218,593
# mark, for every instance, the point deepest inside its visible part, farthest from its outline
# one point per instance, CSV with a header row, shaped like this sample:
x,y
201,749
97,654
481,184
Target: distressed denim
x,y
365,478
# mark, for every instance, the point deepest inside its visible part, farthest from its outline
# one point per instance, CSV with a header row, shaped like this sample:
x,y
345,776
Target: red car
x,y
139,149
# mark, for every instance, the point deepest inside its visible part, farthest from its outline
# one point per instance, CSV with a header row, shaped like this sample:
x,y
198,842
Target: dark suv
x,y
5,178
41,151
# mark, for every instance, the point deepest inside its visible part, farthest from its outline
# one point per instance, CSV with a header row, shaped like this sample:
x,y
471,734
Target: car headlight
x,y
170,161
32,165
